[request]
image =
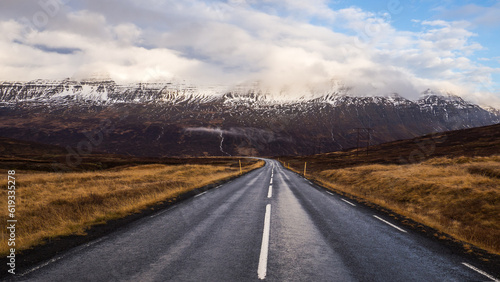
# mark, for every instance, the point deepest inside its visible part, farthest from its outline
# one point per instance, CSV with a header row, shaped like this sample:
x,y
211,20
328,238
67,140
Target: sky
x,y
289,46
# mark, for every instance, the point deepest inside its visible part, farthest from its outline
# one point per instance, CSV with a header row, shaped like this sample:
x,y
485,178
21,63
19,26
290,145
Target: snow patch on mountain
x,y
107,92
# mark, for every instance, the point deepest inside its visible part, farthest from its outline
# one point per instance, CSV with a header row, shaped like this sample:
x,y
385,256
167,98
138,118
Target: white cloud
x,y
291,44
479,15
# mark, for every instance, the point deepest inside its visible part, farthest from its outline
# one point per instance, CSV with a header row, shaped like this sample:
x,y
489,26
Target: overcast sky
x,y
376,47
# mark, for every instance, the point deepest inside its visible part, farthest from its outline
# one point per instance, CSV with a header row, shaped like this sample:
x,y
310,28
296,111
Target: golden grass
x,y
55,204
459,196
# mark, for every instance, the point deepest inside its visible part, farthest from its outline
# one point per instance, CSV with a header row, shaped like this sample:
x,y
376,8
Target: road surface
x,y
270,224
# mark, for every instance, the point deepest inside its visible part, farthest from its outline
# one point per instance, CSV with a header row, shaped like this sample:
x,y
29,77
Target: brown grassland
x,y
459,196
50,205
449,181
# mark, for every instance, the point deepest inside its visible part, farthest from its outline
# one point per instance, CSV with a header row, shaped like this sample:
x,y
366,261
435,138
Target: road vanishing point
x,y
270,224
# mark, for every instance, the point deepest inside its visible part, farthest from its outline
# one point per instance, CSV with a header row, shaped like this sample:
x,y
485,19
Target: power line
x,y
368,130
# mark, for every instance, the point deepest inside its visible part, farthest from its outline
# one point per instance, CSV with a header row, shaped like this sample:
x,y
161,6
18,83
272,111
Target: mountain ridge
x,y
108,91
175,119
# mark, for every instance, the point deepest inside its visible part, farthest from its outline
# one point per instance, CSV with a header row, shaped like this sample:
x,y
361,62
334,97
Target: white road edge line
x,y
157,214
264,248
392,225
162,212
480,271
41,266
271,181
200,194
348,202
60,257
270,192
330,193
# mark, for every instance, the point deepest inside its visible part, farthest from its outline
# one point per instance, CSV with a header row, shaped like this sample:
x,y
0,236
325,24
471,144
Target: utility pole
x,y
240,168
357,143
305,165
368,130
369,139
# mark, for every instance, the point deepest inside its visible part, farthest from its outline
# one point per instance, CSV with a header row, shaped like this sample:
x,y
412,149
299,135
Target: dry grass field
x,y
57,204
459,196
449,181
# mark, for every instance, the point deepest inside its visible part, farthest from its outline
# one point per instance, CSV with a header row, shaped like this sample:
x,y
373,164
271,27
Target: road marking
x,y
162,212
264,248
62,256
200,194
271,181
400,229
348,202
41,266
480,271
270,192
330,193
94,242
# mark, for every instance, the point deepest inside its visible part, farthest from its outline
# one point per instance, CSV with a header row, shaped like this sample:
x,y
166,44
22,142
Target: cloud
x,y
290,47
250,133
479,15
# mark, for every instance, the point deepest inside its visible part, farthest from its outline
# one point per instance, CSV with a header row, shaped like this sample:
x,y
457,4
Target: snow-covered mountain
x,y
103,92
176,118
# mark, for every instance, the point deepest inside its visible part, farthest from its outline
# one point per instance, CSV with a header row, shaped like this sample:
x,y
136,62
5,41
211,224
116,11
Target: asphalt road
x,y
269,224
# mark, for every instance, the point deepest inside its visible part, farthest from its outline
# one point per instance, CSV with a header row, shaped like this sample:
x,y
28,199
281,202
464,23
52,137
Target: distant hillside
x,y
480,141
24,155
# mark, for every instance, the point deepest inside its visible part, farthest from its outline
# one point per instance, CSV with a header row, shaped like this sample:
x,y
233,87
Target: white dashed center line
x,y
264,248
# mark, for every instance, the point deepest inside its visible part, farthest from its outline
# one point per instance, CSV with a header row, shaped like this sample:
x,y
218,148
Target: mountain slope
x,y
472,142
176,119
